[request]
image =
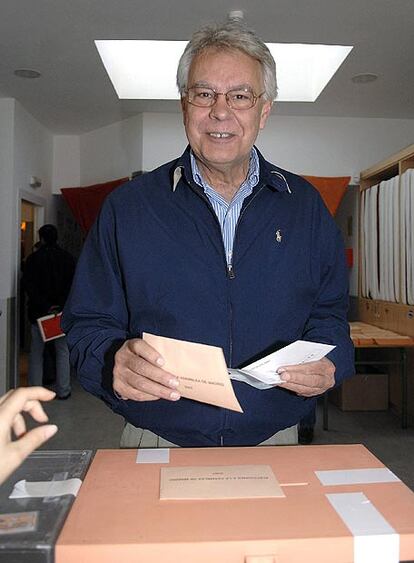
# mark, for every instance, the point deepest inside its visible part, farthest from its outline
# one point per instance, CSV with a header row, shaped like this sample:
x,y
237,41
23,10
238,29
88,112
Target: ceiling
x,y
74,93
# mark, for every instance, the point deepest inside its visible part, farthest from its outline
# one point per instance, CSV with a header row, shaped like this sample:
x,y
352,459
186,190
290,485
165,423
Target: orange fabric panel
x,y
86,202
332,189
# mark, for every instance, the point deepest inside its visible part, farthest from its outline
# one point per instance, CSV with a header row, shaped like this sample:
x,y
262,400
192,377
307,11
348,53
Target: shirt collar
x,y
252,176
269,174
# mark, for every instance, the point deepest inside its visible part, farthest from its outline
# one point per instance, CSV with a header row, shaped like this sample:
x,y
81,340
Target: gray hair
x,y
230,35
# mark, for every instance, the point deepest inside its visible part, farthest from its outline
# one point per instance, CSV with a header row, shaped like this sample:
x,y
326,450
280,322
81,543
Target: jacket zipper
x,y
203,196
230,270
231,274
229,267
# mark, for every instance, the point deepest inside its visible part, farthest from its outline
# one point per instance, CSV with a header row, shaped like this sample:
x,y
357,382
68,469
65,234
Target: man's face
x,y
221,137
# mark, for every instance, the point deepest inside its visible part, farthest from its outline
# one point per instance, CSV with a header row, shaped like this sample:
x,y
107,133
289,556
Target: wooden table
x,y
369,336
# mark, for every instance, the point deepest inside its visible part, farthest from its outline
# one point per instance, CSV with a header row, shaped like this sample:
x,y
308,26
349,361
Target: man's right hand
x,y
138,373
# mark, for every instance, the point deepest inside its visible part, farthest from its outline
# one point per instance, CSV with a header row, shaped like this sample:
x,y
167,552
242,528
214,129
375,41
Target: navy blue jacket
x,y
154,262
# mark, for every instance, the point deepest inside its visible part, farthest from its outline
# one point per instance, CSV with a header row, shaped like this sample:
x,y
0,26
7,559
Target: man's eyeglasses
x,y
240,98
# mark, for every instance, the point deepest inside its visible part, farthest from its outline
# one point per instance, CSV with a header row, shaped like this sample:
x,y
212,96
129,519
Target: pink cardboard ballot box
x,y
340,504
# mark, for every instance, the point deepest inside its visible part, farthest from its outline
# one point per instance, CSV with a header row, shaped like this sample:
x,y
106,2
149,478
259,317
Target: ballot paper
x,y
200,369
262,374
219,482
203,375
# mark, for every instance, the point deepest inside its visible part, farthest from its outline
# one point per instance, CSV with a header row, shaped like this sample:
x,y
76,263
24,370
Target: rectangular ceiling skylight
x,y
146,70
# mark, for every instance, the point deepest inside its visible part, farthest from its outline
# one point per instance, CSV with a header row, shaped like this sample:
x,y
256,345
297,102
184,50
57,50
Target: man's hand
x,y
12,405
138,374
310,379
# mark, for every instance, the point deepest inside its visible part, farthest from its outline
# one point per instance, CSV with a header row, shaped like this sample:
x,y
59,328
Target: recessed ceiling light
x,y
236,15
27,73
364,78
146,69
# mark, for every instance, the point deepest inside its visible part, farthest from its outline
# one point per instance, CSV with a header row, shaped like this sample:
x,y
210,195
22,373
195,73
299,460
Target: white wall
x,y
325,146
33,156
163,138
321,146
332,146
111,152
6,230
25,151
66,162
7,107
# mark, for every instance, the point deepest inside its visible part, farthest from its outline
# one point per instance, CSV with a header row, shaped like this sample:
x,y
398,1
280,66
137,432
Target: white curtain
x,y
387,240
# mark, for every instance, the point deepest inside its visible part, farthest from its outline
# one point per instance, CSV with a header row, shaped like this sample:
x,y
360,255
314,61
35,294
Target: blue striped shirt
x,y
228,213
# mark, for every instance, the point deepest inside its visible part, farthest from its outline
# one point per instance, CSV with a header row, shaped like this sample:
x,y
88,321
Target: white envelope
x,y
262,374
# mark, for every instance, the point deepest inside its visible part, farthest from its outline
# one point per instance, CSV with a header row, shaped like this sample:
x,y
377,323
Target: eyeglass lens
x,y
206,97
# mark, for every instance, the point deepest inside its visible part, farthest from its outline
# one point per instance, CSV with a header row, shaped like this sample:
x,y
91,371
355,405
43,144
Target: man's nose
x,y
220,109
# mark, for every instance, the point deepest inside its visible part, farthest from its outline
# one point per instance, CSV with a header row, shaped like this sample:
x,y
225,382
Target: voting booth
x,y
291,504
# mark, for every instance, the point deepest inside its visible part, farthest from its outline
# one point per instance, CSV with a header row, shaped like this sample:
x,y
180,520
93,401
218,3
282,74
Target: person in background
x,y
12,406
220,247
306,427
47,277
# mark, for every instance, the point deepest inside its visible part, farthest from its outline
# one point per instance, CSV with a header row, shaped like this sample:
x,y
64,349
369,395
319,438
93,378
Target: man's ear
x,y
265,111
183,108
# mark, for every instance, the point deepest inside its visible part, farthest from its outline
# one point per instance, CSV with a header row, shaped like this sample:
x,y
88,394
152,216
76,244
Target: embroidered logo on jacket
x,y
278,236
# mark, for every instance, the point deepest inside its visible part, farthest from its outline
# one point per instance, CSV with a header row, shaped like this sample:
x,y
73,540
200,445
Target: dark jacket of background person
x,y
47,277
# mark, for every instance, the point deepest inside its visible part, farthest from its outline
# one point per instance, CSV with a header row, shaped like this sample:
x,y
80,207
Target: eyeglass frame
x,y
225,94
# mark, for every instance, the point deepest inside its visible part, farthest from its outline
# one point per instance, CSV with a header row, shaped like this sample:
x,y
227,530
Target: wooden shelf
x,y
398,317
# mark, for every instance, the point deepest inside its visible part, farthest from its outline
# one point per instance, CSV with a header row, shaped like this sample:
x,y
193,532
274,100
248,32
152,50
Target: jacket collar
x,y
269,174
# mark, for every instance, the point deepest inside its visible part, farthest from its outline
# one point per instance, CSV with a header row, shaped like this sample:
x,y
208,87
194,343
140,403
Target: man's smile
x,y
220,135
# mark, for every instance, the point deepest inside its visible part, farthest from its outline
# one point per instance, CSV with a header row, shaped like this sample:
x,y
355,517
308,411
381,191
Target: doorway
x,y
30,214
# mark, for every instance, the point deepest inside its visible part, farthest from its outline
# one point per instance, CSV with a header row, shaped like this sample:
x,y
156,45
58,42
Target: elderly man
x,y
218,247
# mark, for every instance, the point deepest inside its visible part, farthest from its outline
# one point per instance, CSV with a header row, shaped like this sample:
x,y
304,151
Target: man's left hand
x,y
310,379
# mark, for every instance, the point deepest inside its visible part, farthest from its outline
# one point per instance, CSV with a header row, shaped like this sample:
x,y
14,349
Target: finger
x,y
302,390
299,378
128,363
17,399
143,349
131,394
4,397
323,367
35,409
309,386
142,386
140,367
19,425
32,440
312,374
126,392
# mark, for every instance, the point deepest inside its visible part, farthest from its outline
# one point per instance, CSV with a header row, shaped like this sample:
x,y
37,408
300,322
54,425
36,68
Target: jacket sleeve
x,y
328,321
95,317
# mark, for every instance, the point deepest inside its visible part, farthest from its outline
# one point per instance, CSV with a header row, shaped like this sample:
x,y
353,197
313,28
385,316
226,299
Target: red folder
x,y
49,327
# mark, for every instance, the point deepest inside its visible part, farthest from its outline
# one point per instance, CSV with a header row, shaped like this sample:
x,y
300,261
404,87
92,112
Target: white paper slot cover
x,y
356,476
153,455
36,489
375,540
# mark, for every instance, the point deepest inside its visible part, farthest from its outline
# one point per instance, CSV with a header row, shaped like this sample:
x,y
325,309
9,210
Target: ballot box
x,y
34,502
338,504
